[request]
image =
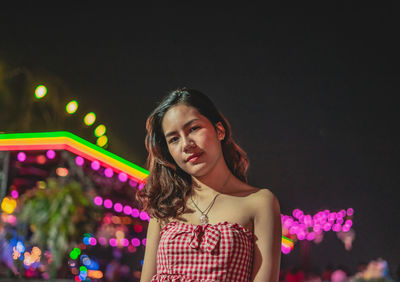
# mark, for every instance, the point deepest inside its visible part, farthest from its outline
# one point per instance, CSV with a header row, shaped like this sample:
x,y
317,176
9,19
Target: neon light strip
x,y
63,140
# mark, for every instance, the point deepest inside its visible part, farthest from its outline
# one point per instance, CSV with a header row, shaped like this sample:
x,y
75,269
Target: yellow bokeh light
x,y
89,119
71,107
8,205
41,184
100,130
40,91
120,235
102,141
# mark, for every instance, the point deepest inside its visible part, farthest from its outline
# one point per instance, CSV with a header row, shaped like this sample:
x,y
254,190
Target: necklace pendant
x,y
204,219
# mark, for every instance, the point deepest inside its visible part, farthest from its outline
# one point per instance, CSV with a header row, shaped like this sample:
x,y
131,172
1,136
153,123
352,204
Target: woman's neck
x,y
217,181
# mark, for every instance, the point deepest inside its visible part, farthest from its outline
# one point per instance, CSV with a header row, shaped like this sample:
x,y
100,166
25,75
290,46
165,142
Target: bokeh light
x,y
135,212
108,203
122,176
95,165
89,119
100,130
79,161
41,159
41,184
98,201
102,141
127,210
21,156
8,205
118,207
62,171
71,107
14,194
50,154
40,91
135,242
108,172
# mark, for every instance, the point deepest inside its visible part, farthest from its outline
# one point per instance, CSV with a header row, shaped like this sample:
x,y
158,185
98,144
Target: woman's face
x,y
193,141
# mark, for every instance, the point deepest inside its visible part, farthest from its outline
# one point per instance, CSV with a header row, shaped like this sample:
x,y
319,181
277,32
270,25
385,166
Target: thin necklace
x,y
203,217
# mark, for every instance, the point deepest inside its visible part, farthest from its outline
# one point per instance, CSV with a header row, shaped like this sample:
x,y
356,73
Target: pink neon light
x,y
135,213
336,227
21,156
102,241
350,211
123,177
345,228
285,250
143,215
311,236
95,165
141,186
327,227
118,207
108,172
127,210
92,241
132,183
14,194
135,242
144,241
108,203
113,242
50,154
98,201
125,242
80,161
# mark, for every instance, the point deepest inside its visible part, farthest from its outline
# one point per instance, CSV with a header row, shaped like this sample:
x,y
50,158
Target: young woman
x,y
207,223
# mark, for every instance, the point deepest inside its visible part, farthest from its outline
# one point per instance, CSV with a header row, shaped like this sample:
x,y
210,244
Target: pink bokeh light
x,y
127,210
98,201
80,161
108,172
135,242
122,177
95,165
14,194
108,203
21,156
50,154
118,207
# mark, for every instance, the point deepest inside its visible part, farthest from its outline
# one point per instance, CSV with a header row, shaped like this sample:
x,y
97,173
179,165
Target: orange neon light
x,y
63,140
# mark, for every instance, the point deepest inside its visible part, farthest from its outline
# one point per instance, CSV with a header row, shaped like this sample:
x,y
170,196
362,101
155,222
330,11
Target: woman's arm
x,y
268,237
149,268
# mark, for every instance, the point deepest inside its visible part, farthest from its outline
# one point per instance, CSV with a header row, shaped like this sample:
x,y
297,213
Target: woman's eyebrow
x,y
184,126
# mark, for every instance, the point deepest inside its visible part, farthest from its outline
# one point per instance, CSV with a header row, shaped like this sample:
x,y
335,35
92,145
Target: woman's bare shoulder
x,y
261,197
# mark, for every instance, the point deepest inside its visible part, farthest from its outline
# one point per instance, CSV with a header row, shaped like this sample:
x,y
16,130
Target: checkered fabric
x,y
207,252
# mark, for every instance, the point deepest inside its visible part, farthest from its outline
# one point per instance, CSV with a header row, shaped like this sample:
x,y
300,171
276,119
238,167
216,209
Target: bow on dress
x,y
204,236
207,236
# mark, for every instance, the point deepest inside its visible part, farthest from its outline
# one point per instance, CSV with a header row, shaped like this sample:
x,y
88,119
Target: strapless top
x,y
206,252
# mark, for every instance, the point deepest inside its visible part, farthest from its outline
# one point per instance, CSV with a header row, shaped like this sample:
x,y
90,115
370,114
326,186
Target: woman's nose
x,y
188,144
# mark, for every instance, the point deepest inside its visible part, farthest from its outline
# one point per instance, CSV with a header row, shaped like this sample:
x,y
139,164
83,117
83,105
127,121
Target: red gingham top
x,y
219,252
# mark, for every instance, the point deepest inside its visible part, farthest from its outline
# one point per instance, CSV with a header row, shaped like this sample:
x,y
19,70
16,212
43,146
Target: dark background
x,y
310,92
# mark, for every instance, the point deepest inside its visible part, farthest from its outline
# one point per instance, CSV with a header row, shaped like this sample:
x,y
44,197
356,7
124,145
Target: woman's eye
x,y
194,128
172,140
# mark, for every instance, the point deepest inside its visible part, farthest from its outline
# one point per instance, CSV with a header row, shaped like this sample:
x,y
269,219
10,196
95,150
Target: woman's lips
x,y
194,157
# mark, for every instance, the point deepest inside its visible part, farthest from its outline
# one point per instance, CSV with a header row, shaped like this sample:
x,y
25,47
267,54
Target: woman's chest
x,y
228,209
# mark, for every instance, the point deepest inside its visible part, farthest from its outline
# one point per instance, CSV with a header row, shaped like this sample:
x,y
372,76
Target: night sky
x,y
310,93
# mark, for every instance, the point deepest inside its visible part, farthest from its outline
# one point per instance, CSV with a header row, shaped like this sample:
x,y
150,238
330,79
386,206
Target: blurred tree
x,y
57,217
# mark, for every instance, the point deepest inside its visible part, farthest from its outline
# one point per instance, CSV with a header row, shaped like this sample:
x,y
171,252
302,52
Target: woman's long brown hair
x,y
168,185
